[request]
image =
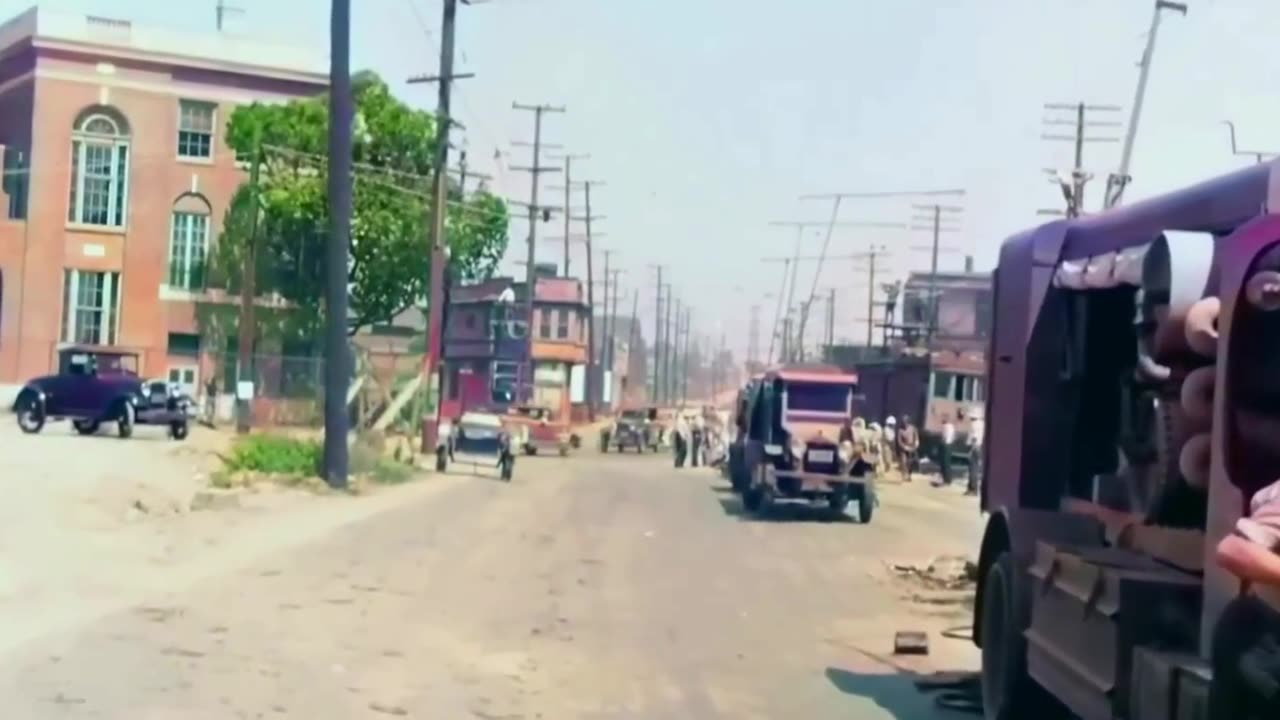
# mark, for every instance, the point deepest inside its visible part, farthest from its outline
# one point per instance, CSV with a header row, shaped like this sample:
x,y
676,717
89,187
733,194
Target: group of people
x,y
890,447
692,440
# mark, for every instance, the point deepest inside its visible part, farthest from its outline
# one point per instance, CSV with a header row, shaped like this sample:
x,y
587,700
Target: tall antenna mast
x,y
223,10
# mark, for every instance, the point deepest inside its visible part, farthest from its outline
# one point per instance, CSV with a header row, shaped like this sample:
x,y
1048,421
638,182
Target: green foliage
x,y
390,258
274,454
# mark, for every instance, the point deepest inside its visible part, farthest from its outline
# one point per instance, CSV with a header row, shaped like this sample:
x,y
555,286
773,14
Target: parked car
x,y
94,387
478,438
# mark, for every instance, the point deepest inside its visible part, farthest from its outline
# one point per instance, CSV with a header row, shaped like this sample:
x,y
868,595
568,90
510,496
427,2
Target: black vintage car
x,y
632,429
93,387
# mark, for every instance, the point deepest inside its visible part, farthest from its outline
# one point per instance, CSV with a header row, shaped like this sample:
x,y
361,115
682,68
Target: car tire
x,y
1008,691
125,420
179,430
31,416
86,427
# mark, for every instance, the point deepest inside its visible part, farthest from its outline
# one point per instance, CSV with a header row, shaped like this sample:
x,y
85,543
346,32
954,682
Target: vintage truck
x,y
1132,413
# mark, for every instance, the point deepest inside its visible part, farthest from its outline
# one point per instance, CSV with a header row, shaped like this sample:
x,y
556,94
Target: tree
x,y
390,262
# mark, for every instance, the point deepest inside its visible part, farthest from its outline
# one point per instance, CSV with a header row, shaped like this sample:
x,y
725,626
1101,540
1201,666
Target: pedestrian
x,y
908,446
889,443
681,438
698,436
977,430
1246,641
944,452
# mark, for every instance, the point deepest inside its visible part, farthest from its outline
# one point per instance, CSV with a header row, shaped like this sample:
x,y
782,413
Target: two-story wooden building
x,y
487,342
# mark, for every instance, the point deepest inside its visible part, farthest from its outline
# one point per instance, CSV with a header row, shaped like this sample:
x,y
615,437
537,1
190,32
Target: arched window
x,y
99,169
189,242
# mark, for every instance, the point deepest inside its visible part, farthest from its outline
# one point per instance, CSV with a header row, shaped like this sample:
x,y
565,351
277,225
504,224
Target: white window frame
x,y
117,180
189,254
109,326
192,387
212,107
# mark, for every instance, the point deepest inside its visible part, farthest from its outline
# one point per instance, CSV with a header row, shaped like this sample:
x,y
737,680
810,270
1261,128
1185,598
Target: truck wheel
x,y
124,421
31,415
179,430
86,427
866,504
1008,692
442,459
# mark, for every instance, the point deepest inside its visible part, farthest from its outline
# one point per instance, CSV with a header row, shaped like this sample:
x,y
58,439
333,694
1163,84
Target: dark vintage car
x,y
632,429
480,439
93,387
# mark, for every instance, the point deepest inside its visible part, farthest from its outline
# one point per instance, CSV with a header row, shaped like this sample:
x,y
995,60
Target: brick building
x,y
117,177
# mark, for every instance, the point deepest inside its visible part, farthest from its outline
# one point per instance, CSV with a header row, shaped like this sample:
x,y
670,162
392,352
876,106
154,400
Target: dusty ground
x,y
591,587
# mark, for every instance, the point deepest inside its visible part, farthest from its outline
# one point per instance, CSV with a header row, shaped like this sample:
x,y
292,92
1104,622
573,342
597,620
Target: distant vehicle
x,y
93,387
479,439
633,429
537,429
793,448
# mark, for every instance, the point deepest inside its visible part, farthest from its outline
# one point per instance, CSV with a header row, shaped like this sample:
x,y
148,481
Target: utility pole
x,y
777,313
657,339
223,10
872,254
1117,182
568,159
592,389
673,336
1073,186
337,366
632,336
684,375
611,321
248,281
934,215
836,200
436,223
535,171
753,336
1258,157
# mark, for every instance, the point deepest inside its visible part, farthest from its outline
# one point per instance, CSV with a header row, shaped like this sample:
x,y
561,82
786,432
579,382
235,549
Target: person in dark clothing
x,y
1246,641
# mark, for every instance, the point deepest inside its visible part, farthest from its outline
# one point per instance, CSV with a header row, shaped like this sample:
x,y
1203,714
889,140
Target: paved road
x,y
597,587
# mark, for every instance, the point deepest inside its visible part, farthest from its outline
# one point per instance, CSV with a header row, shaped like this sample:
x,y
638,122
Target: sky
x,y
706,120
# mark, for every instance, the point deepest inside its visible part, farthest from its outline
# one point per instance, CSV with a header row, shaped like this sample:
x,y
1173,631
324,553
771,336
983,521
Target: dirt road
x,y
594,587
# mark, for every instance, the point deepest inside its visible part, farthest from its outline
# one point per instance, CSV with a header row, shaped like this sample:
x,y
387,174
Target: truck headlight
x,y
797,448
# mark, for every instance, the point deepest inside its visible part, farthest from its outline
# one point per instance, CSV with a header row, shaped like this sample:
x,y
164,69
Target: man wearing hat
x,y
908,446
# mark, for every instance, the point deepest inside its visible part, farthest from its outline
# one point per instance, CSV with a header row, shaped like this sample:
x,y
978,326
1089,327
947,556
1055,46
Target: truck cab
x,y
1130,417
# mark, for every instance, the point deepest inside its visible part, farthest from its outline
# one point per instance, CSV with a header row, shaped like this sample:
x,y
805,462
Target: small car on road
x,y
94,387
793,448
536,429
477,438
633,429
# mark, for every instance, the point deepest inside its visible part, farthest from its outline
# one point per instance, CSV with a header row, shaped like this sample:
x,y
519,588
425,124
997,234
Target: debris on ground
x,y
944,572
910,642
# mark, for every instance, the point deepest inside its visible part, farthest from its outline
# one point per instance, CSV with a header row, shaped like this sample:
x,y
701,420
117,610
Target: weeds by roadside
x,y
295,463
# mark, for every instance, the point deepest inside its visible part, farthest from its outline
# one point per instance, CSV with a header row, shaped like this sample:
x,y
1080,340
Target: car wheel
x,y
124,421
30,416
179,430
1008,692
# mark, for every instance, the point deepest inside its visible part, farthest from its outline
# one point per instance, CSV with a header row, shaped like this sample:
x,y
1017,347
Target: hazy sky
x,y
709,118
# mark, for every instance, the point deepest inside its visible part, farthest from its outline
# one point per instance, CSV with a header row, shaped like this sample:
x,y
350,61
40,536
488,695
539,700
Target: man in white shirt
x,y
944,459
977,428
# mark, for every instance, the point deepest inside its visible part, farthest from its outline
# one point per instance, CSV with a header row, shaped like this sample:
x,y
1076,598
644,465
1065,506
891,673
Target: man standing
x,y
977,429
944,453
908,446
681,439
1246,642
889,444
698,433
